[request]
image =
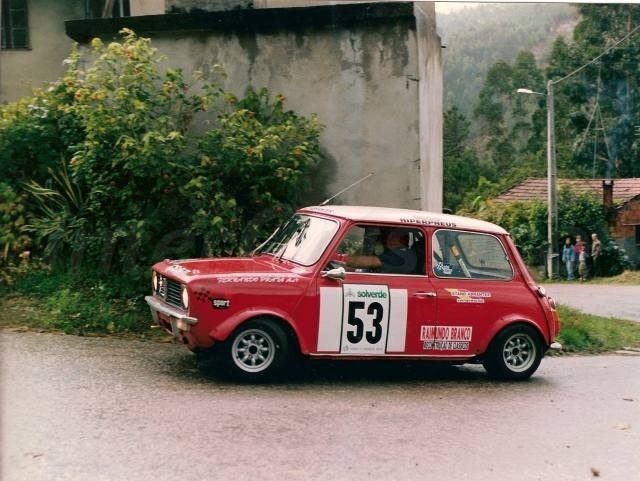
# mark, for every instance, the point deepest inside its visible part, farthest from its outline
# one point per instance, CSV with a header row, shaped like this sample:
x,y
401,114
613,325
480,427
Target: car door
x,y
375,310
473,280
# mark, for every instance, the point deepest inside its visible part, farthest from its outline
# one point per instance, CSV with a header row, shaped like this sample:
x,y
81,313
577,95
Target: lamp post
x,y
552,208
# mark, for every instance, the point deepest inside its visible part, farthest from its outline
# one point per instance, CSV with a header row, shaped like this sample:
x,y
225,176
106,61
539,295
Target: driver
x,y
396,256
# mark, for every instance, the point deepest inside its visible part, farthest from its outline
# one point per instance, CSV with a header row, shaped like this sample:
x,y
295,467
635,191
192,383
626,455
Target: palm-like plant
x,y
60,217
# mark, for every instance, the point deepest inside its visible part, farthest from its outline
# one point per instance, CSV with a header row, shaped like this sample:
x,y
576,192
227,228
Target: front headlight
x,y
185,297
154,281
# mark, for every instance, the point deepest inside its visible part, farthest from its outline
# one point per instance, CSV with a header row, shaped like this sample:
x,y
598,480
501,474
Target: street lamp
x,y
552,208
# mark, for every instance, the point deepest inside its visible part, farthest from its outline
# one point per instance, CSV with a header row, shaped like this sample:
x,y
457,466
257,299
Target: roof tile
x,y
536,188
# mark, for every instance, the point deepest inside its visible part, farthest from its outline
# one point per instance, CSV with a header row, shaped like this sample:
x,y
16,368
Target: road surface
x,y
78,409
622,302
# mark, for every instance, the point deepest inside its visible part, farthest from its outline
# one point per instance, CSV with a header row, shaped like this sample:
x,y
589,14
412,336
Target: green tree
x,y
578,213
461,166
597,120
254,169
132,158
139,181
35,132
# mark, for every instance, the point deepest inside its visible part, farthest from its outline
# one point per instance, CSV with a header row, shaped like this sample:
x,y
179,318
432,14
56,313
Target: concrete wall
x,y
147,7
360,82
206,5
372,73
21,70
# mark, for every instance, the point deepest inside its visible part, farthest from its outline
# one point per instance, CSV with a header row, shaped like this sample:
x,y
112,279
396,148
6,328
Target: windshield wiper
x,y
299,234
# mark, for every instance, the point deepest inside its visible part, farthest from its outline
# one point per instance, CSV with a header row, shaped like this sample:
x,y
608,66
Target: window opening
x,y
469,255
383,249
107,8
14,24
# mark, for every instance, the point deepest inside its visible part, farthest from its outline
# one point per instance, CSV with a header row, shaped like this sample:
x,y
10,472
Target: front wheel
x,y
257,350
514,354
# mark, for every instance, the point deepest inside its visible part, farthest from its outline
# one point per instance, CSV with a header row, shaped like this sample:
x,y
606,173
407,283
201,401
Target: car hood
x,y
232,268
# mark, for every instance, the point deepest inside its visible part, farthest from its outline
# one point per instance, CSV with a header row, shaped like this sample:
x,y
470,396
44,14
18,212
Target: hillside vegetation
x,y
476,38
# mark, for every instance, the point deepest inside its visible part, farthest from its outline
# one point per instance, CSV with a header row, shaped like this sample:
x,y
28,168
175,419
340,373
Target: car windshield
x,y
302,239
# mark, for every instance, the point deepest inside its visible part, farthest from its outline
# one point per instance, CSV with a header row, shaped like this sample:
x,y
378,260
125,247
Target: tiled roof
x,y
623,189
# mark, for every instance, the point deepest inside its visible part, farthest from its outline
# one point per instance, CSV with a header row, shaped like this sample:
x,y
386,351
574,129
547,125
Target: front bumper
x,y
169,317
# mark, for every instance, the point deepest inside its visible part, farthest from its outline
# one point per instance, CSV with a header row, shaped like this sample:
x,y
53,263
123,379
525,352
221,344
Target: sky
x,y
447,7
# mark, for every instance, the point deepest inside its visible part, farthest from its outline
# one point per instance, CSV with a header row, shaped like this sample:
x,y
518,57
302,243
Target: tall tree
x,y
602,110
461,166
505,117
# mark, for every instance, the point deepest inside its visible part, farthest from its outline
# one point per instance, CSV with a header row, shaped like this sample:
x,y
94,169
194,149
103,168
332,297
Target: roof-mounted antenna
x,y
347,188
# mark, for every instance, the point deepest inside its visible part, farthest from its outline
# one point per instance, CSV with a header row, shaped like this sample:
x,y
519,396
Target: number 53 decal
x,y
365,319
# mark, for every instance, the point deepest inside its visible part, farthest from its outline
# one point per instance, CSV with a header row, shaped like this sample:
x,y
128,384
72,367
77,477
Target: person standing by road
x,y
581,254
596,251
569,258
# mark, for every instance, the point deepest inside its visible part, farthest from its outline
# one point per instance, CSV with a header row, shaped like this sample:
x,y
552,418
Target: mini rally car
x,y
349,282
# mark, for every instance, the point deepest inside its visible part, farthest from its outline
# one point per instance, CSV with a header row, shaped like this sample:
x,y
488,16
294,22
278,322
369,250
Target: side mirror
x,y
337,273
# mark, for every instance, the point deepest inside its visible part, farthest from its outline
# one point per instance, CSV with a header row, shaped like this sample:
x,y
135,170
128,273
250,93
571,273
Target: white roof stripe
x,y
404,216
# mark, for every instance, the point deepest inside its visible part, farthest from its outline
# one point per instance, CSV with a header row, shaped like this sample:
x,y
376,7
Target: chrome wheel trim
x,y
519,352
253,350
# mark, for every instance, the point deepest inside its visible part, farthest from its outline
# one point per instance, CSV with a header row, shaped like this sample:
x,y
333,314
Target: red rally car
x,y
351,282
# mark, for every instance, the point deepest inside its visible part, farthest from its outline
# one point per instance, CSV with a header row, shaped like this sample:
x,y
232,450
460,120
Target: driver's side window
x,y
383,249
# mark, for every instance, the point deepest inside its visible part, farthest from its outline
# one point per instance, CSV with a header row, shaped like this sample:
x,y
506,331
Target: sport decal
x,y
469,297
446,338
362,319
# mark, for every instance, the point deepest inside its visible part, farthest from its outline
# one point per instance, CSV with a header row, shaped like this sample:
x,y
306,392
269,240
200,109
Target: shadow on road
x,y
352,373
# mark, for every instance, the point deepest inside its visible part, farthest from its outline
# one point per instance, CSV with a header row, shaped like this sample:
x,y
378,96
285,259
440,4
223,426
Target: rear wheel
x,y
257,350
514,354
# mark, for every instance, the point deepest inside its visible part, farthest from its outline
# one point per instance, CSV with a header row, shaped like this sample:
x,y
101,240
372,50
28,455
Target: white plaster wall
x,y
146,7
431,105
22,70
305,3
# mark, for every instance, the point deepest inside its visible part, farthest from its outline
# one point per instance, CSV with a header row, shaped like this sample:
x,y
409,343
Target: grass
x,y
627,278
19,312
589,334
580,332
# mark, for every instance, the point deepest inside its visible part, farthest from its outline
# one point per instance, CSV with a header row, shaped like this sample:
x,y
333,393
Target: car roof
x,y
407,217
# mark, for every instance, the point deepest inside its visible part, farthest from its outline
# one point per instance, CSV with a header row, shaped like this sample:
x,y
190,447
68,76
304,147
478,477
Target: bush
x,y
14,243
118,178
254,170
82,303
578,213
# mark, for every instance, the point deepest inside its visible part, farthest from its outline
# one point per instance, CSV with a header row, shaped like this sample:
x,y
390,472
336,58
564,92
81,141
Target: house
x,y
620,200
371,71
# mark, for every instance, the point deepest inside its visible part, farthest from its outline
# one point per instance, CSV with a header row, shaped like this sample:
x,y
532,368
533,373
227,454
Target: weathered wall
x,y
372,73
359,83
21,70
375,80
430,100
147,7
206,5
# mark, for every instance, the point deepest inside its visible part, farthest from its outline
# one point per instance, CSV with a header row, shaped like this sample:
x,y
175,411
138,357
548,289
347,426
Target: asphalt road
x,y
622,302
78,409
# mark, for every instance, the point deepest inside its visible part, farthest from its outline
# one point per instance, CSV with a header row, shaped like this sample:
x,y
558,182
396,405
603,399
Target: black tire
x,y
514,354
258,350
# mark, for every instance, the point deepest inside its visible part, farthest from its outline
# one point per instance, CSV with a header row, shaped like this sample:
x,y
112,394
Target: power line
x,y
599,56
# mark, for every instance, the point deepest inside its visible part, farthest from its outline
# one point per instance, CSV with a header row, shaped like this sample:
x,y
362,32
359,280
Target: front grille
x,y
170,291
174,293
